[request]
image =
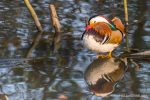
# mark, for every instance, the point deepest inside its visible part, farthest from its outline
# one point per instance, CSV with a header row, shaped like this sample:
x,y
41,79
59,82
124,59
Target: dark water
x,y
51,76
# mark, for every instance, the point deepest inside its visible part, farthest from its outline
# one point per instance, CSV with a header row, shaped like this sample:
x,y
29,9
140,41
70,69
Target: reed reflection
x,y
102,75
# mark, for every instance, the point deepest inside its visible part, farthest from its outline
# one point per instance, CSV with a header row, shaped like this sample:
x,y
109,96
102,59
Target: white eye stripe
x,y
98,19
92,21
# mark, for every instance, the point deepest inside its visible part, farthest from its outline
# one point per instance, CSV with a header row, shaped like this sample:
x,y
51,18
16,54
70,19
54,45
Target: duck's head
x,y
96,19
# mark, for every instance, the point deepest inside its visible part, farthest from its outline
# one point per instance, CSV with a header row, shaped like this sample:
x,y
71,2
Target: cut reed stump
x,y
38,25
34,15
57,27
3,97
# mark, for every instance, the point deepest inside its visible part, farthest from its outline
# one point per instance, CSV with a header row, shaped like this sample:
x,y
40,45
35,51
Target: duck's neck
x,y
112,27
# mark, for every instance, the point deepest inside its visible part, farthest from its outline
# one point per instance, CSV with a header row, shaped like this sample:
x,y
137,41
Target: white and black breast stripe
x,y
106,38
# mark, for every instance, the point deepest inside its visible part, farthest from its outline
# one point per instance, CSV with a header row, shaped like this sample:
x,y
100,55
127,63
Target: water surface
x,y
51,76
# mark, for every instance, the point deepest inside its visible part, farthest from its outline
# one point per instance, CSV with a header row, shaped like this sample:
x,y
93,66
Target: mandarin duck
x,y
102,75
103,35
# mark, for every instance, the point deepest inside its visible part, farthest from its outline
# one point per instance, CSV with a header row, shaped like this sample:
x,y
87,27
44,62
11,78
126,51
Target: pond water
x,y
60,75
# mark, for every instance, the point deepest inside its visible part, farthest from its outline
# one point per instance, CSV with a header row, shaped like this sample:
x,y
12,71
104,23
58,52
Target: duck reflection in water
x,y
103,74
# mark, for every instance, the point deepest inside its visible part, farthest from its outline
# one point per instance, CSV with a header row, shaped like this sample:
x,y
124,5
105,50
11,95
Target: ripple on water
x,y
147,26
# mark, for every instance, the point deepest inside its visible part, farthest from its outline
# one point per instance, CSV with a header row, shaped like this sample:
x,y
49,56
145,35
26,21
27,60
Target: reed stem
x,y
126,24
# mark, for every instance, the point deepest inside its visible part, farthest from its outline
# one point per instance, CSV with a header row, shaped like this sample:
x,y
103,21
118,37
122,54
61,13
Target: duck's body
x,y
98,46
102,35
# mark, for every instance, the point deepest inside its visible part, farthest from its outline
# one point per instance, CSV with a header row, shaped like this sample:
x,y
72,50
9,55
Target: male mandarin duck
x,y
103,35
